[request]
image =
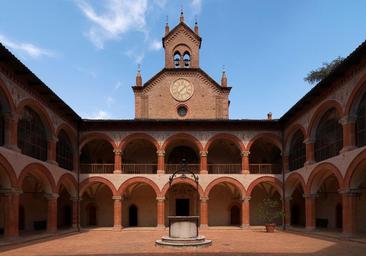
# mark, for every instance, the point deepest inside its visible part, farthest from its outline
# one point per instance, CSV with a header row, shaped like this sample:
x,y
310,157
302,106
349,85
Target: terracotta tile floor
x,y
225,242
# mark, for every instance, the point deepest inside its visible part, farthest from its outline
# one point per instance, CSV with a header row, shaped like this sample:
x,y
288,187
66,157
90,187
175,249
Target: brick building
x,y
58,170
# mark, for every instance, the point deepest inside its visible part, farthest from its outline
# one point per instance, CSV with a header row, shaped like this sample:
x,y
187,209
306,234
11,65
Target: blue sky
x,y
87,51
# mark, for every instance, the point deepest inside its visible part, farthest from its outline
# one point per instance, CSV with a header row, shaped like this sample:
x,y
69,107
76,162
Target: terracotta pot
x,y
270,228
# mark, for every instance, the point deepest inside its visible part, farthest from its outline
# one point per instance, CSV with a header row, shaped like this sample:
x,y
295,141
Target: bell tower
x,y
182,45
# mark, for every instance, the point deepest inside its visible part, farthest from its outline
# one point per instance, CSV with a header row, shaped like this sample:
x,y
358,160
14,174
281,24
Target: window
x,y
361,123
32,138
177,59
182,111
187,60
297,155
64,156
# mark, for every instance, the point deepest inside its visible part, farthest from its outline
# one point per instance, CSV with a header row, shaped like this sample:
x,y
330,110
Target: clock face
x,y
181,89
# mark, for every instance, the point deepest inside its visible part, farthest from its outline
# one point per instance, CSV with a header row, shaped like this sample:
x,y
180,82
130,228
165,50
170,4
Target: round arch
x,y
69,182
291,132
94,180
95,136
319,112
9,170
229,180
225,136
319,174
265,179
135,180
188,181
68,130
275,139
355,96
292,181
136,136
41,172
7,97
41,111
184,136
352,168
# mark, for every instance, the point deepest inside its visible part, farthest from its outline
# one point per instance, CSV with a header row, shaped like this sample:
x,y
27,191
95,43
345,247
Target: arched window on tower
x,y
64,156
32,136
297,155
187,59
176,59
361,123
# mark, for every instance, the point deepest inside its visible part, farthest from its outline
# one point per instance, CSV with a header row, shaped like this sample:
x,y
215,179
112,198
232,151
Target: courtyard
x,y
225,242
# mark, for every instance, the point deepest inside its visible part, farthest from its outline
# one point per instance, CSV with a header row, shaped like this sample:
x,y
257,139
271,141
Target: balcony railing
x,y
265,168
96,168
139,168
224,168
171,168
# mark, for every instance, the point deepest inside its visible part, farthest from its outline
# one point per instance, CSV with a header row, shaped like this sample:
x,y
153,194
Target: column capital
x,y
75,199
160,198
117,151
204,199
245,153
10,191
350,192
288,198
160,152
246,198
348,119
51,196
310,195
309,141
53,139
118,198
11,116
203,153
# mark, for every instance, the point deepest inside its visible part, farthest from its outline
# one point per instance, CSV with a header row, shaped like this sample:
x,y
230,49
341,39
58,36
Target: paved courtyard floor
x,y
225,242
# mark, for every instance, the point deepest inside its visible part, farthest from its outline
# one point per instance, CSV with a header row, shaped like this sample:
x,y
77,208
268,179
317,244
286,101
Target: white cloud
x,y
27,48
155,45
135,55
117,18
118,85
101,114
196,6
109,101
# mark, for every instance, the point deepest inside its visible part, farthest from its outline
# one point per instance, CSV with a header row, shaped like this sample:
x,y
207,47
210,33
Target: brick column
x,y
288,211
310,200
203,212
11,131
10,199
75,205
203,162
51,150
285,163
310,157
52,213
349,206
245,162
117,161
161,161
245,212
160,214
117,225
349,132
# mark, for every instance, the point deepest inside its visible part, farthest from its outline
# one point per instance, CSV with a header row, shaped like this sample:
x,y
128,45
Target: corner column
x,y
161,161
349,213
117,224
11,204
75,205
245,212
52,212
288,211
160,201
310,200
349,132
117,161
310,157
203,212
51,150
11,134
245,162
203,162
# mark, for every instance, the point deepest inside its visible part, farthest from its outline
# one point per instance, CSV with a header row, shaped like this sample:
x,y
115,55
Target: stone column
x,y
117,225
161,161
309,145
349,210
285,163
160,214
245,162
204,212
310,200
51,150
117,161
245,212
203,162
75,205
10,199
52,213
11,131
349,132
288,211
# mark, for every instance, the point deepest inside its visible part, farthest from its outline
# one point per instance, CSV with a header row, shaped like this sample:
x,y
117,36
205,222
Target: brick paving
x,y
225,242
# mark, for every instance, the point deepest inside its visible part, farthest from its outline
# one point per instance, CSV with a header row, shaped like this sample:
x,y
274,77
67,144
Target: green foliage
x,y
319,74
269,210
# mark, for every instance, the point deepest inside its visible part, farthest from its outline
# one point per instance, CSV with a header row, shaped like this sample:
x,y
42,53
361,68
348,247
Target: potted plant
x,y
269,210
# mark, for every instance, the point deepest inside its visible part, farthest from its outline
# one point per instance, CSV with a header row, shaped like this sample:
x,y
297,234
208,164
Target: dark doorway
x,y
235,215
132,216
92,212
339,216
295,214
21,218
67,216
182,207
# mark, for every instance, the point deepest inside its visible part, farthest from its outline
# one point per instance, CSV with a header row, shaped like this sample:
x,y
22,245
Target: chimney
x,y
269,116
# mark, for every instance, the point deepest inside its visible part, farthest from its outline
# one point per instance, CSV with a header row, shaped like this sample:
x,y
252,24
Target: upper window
x,y
32,137
328,141
361,123
64,156
177,59
187,60
297,154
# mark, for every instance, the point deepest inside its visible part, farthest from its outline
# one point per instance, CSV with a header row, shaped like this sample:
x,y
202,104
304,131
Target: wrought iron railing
x,y
265,168
171,168
96,168
139,168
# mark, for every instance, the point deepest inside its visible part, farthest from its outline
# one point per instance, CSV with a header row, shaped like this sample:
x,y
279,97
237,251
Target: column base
x,y
13,147
347,234
203,172
160,226
52,162
117,172
245,226
52,231
346,149
203,226
307,163
245,172
117,228
160,172
309,229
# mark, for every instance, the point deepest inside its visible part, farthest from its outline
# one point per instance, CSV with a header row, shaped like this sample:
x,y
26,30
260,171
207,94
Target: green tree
x,y
319,74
